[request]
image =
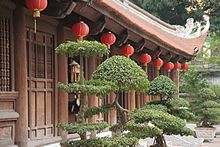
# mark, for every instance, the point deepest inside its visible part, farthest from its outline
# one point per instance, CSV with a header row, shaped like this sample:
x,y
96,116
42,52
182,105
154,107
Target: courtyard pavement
x,y
214,143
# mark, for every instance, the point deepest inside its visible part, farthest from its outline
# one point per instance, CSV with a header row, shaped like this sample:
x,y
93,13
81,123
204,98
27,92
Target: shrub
x,y
216,89
206,93
162,86
208,113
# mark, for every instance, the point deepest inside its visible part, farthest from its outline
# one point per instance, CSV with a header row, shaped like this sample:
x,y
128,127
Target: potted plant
x,y
207,111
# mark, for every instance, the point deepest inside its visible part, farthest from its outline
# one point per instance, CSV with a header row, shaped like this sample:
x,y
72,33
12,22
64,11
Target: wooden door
x,y
41,97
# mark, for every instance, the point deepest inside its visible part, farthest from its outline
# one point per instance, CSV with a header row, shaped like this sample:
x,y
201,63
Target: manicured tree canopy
x,y
86,48
206,93
208,113
162,86
124,72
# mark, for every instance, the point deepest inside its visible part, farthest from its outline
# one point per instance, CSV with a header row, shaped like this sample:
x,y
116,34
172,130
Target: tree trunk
x,y
160,141
122,119
81,118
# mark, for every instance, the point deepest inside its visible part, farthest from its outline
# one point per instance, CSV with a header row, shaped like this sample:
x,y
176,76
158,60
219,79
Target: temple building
x,y
31,105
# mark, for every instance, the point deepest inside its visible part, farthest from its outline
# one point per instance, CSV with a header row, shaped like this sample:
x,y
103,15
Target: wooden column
x,y
92,99
132,100
113,114
62,77
21,137
175,77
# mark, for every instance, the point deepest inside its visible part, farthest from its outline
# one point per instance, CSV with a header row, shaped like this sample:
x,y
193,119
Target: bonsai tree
x,y
208,113
167,116
92,87
162,86
160,123
127,75
206,108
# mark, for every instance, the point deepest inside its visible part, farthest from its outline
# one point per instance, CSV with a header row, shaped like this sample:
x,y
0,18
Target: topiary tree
x,y
208,113
216,89
162,86
92,87
168,116
206,93
127,75
162,121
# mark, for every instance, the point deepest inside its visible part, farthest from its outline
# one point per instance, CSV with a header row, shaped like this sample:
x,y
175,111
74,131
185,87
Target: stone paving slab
x,y
214,143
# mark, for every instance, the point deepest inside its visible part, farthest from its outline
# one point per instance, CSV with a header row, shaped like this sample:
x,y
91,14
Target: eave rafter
x,y
139,46
98,26
122,38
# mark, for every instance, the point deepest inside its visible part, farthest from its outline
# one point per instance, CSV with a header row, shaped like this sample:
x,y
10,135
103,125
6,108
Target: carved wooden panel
x,y
40,59
5,65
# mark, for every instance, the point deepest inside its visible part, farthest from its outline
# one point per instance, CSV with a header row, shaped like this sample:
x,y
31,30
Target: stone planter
x,y
207,134
217,132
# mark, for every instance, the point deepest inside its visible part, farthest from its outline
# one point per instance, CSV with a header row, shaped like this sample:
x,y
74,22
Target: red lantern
x,y
158,63
80,30
145,58
108,39
36,6
127,50
177,66
185,67
169,66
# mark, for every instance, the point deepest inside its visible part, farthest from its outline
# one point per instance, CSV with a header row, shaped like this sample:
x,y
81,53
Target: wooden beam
x,y
167,57
140,45
157,52
176,59
122,38
99,26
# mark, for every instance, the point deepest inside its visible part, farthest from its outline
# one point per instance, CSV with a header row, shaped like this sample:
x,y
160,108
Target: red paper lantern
x,y
36,6
145,58
127,50
169,66
177,66
185,67
108,39
158,63
80,30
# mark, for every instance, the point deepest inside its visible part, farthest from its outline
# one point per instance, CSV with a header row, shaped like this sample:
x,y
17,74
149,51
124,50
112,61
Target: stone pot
x,y
207,133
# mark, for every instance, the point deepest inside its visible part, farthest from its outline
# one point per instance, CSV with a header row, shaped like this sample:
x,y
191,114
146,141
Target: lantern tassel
x,y
35,25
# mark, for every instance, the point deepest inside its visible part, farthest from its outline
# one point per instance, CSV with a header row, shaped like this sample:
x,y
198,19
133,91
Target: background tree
x,y
162,86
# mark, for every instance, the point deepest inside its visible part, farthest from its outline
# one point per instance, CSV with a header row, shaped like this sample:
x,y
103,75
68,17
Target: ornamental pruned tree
x,y
164,117
162,86
127,75
91,87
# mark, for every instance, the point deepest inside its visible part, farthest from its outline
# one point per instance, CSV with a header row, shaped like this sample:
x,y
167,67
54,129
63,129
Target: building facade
x,y
31,105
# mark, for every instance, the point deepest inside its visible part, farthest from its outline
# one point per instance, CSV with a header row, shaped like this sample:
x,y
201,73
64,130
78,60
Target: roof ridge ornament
x,y
192,29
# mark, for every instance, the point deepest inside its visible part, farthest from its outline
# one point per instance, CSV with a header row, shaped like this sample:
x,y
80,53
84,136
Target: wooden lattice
x,y
5,76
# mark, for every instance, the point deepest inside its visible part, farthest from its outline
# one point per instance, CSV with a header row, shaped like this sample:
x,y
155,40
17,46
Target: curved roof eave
x,y
149,26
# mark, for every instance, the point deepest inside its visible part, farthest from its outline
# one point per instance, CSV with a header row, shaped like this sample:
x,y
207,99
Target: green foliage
x,y
91,87
163,120
192,82
86,48
162,86
208,113
103,142
216,89
83,127
124,72
206,94
154,106
142,131
177,103
90,111
175,106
